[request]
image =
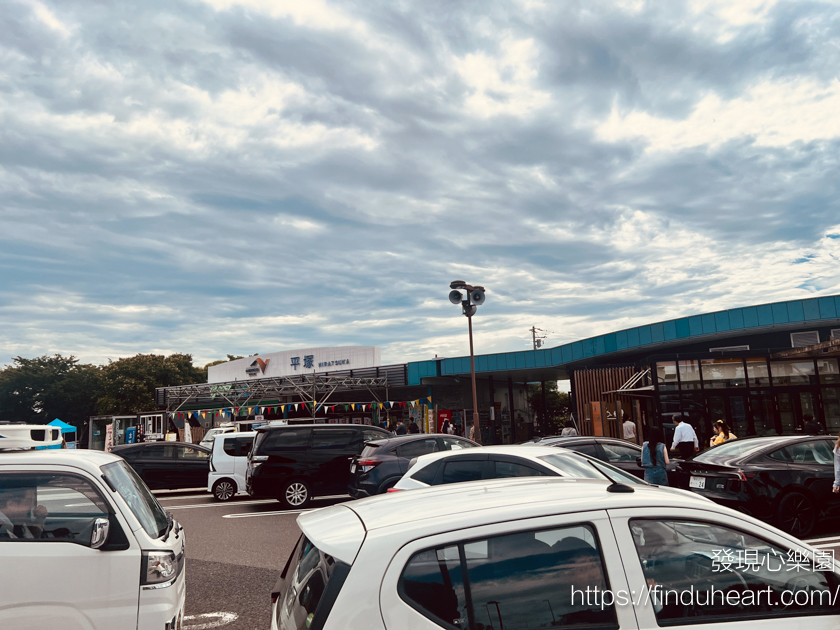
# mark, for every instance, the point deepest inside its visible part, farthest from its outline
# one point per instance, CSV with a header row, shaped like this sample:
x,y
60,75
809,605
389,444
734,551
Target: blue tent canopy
x,y
65,428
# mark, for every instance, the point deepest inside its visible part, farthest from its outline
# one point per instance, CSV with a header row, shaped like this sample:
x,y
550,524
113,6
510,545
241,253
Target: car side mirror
x,y
101,527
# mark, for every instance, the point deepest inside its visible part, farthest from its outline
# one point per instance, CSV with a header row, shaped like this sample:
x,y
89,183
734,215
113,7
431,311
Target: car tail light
x,y
210,461
744,476
366,465
394,490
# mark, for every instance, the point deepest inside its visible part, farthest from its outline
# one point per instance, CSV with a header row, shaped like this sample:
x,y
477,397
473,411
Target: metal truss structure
x,y
316,388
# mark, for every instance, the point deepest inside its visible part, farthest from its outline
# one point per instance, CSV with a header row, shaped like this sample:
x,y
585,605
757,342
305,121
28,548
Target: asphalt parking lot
x,y
237,549
235,553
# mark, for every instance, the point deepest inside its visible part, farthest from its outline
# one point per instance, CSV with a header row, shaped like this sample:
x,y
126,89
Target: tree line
x,y
41,389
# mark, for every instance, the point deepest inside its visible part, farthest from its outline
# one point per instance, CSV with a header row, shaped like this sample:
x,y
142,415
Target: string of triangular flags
x,y
259,410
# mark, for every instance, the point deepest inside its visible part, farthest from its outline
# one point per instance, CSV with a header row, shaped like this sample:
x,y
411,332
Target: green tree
x,y
557,406
129,384
44,388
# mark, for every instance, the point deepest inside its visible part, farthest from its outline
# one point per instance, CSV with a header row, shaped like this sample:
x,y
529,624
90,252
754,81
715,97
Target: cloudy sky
x,y
239,176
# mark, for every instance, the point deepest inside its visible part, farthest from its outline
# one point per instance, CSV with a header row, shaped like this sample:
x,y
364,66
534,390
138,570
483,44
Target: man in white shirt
x,y
629,428
685,439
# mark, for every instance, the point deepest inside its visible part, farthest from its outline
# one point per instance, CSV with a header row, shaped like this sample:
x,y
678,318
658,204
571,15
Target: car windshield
x,y
730,450
575,465
140,500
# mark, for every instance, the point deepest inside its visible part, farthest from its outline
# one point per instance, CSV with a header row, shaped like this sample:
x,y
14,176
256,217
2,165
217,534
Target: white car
x,y
497,462
83,543
228,464
548,552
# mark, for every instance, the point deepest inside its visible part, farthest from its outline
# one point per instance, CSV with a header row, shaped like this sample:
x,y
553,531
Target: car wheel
x,y
796,514
295,494
387,486
224,489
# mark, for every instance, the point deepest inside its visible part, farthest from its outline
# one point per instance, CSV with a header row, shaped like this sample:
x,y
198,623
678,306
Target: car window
x,y
229,446
619,452
521,580
454,444
370,436
586,449
813,452
185,452
48,506
725,574
417,448
458,471
158,451
428,473
511,469
282,440
326,439
780,454
244,445
729,451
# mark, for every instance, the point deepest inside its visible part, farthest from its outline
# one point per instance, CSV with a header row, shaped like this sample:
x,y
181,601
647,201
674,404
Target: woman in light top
x,y
836,488
722,433
655,458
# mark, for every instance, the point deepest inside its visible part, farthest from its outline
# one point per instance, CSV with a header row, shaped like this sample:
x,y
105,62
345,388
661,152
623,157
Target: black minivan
x,y
293,463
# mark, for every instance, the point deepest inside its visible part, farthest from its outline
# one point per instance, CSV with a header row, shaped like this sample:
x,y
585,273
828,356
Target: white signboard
x,y
109,437
291,362
187,432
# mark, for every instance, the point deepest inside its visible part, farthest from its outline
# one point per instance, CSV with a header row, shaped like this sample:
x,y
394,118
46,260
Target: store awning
x,y
65,428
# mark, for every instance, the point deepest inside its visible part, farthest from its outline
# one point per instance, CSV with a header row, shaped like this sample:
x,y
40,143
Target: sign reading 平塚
x,y
291,362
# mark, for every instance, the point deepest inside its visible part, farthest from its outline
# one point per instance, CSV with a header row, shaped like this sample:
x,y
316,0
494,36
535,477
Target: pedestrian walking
x,y
722,433
400,429
685,439
569,430
655,458
836,488
629,428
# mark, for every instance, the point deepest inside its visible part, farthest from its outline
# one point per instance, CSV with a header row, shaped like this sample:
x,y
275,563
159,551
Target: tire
x,y
388,485
796,514
224,489
295,495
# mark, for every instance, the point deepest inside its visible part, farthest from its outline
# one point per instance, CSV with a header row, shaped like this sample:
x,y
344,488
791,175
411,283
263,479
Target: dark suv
x,y
294,463
383,462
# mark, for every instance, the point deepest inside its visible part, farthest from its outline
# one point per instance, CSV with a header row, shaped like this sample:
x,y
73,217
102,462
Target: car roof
x,y
518,450
82,458
422,512
409,437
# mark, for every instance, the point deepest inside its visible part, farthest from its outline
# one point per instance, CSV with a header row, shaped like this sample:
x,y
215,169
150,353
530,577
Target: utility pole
x,y
537,341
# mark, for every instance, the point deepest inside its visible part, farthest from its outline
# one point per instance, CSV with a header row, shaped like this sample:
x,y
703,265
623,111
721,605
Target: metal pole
x,y
476,423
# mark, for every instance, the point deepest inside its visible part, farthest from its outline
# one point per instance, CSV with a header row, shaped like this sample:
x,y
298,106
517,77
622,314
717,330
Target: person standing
x,y
836,488
811,426
412,427
629,428
655,458
400,429
569,430
685,439
722,433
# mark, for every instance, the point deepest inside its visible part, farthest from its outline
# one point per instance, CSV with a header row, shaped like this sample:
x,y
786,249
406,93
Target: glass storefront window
x,y
828,371
787,413
758,373
793,372
666,375
719,373
689,375
831,408
763,413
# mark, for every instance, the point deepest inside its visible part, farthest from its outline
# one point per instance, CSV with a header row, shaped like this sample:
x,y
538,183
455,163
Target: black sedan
x,y
168,465
785,480
383,462
620,453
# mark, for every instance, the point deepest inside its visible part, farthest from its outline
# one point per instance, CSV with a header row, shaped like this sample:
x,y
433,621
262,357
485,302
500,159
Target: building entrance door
x,y
794,403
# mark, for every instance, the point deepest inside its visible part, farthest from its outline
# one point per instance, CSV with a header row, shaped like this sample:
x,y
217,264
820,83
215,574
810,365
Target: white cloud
x,y
311,13
774,113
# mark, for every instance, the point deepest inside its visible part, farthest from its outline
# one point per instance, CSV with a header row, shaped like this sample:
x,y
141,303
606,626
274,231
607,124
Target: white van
x,y
208,438
228,464
83,543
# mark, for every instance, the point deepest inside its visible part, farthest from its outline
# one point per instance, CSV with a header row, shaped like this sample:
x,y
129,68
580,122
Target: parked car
x,y
296,462
229,464
168,465
83,543
496,462
383,462
785,480
620,453
524,553
207,440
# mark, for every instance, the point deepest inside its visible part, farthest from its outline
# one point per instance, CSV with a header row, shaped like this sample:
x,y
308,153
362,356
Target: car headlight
x,y
158,567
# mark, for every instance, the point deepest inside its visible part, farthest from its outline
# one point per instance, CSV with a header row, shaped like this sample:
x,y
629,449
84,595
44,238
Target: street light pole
x,y
469,304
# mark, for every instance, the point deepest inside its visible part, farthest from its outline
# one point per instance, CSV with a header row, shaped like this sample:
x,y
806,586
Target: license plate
x,y
352,468
697,482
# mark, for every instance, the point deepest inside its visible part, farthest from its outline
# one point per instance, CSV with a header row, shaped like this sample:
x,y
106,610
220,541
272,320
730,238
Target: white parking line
x,y
220,504
252,514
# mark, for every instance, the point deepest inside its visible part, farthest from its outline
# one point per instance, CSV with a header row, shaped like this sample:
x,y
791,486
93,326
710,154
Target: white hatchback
x,y
229,463
549,552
